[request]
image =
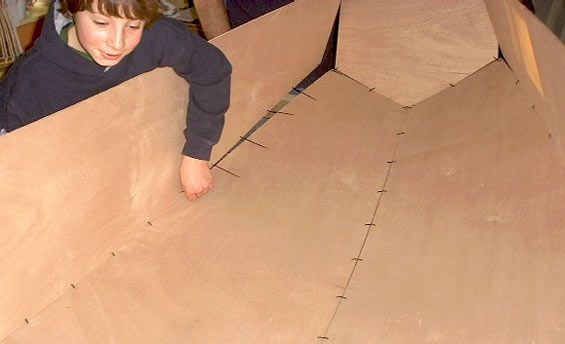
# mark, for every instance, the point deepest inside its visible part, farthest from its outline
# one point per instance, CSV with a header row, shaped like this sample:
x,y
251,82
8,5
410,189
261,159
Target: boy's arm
x,y
209,97
6,82
208,72
3,114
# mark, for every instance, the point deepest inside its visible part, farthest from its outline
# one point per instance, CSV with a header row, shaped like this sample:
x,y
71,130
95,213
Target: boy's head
x,y
145,10
108,30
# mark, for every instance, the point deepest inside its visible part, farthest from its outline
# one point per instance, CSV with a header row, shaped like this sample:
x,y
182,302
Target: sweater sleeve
x,y
208,72
2,105
6,84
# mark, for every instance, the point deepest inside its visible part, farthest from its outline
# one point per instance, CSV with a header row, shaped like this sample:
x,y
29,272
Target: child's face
x,y
107,39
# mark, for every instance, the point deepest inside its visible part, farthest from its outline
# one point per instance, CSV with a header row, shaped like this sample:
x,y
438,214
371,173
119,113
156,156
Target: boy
x,y
88,46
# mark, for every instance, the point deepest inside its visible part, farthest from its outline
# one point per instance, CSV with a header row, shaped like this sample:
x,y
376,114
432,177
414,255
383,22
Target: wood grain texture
x,y
537,58
263,257
270,55
410,50
78,183
71,185
469,243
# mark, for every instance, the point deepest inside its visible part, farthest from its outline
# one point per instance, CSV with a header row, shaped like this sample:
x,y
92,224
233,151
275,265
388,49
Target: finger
x,y
191,196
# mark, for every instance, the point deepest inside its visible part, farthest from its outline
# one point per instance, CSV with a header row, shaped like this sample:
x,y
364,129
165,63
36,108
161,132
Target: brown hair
x,y
146,10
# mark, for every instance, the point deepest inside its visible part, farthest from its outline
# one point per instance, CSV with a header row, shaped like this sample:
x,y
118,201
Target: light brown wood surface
x,y
469,243
537,58
75,185
410,50
270,55
71,186
213,17
261,259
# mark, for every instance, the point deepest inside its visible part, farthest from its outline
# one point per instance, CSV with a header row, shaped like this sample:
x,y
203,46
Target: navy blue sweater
x,y
51,76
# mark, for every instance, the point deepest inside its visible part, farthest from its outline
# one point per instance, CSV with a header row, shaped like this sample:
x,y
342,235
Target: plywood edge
x,y
269,56
69,184
537,58
410,51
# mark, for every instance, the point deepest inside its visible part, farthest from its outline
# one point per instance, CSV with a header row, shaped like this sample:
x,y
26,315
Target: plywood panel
x,y
262,258
469,244
410,50
76,184
69,188
537,58
270,55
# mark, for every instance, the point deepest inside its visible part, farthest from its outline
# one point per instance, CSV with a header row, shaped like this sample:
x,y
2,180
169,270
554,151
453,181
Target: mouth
x,y
111,56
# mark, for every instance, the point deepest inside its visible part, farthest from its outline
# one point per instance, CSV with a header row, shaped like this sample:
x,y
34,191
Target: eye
x,y
134,26
100,23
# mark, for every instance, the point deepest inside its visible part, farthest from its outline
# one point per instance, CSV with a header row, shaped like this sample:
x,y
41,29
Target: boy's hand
x,y
195,177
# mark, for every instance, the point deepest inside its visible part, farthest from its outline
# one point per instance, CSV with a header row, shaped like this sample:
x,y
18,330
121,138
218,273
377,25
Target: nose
x,y
116,39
